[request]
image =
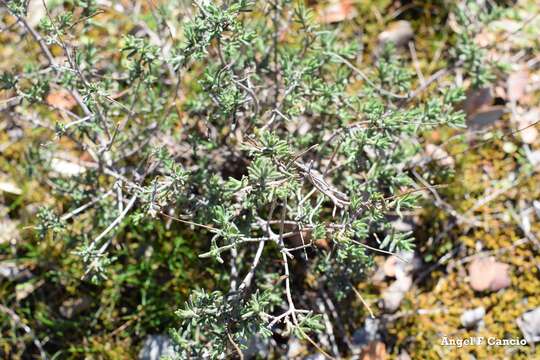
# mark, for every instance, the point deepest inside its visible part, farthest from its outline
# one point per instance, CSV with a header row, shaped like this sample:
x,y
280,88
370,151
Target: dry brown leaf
x,y
322,243
488,274
476,100
485,117
61,99
336,11
375,350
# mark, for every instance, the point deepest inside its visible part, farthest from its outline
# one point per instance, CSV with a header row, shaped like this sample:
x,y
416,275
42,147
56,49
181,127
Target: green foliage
x,y
253,132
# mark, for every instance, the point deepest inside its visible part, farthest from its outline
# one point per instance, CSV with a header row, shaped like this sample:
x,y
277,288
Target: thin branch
x,y
363,301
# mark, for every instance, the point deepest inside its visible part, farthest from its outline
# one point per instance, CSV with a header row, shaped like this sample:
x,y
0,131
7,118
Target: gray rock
x,y
296,348
11,271
403,355
399,32
474,318
391,297
315,357
529,324
536,205
368,333
156,346
256,346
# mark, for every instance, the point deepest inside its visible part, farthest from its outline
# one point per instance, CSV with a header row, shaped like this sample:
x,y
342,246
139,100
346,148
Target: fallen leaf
x,y
322,243
516,85
485,117
376,350
398,32
488,274
337,11
476,100
61,99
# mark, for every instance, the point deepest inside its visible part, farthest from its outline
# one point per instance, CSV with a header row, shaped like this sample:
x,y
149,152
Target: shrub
x,y
256,130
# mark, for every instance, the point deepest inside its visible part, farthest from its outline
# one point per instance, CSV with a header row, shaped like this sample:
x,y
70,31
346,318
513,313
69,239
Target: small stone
x,y
529,324
525,122
473,318
9,232
11,271
536,206
318,356
488,274
368,333
256,346
10,188
295,348
509,147
516,84
403,355
389,266
404,265
529,135
533,157
393,296
66,168
156,346
438,154
398,32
